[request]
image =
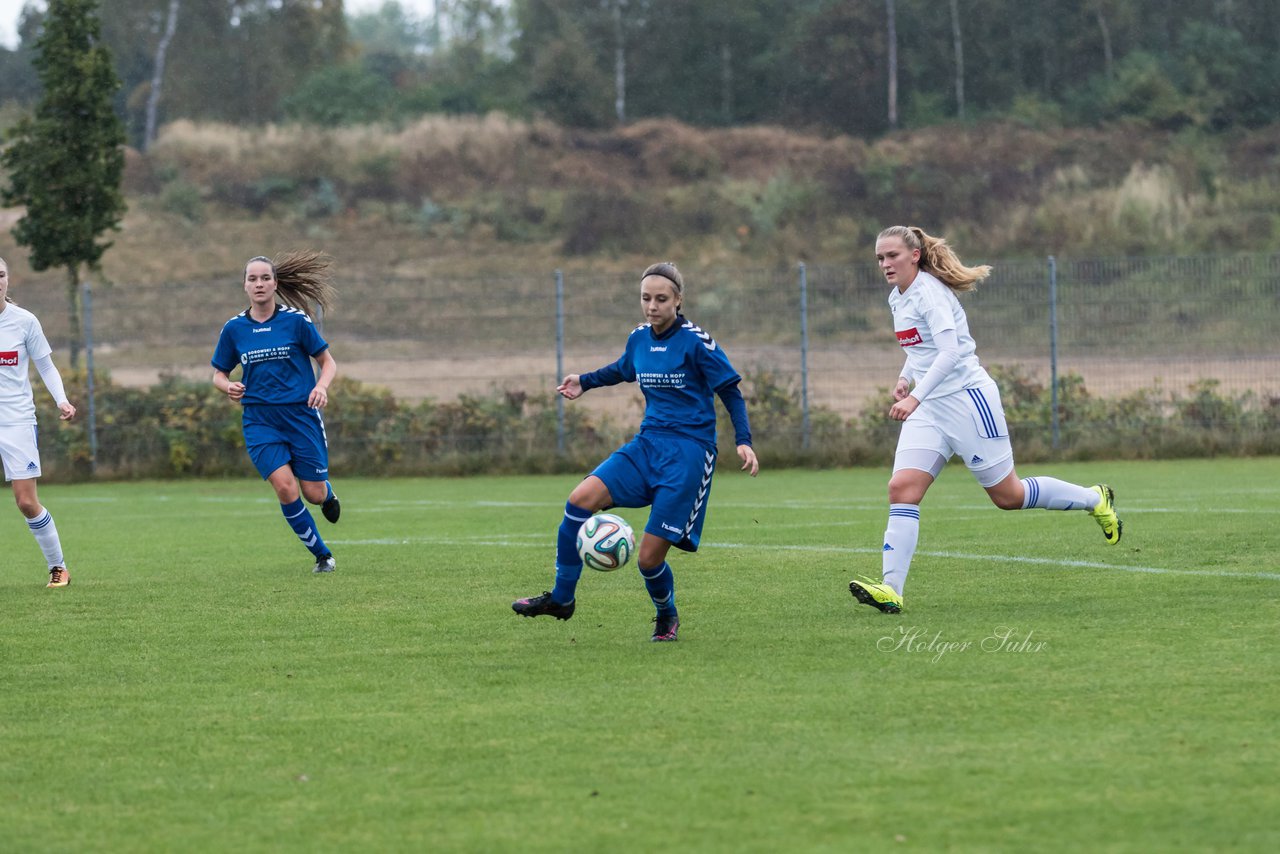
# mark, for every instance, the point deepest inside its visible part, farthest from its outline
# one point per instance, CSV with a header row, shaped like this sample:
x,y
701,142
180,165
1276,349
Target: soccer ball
x,y
605,542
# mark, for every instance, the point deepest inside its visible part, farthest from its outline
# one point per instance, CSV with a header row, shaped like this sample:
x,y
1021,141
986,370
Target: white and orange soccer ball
x,y
605,542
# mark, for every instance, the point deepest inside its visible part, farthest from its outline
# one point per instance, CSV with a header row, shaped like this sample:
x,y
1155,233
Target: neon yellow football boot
x,y
876,594
1105,513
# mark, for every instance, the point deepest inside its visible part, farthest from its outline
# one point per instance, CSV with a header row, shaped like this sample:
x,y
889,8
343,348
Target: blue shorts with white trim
x,y
287,434
669,473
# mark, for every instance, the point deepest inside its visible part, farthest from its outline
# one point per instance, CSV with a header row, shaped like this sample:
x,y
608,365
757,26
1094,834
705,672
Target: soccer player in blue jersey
x,y
274,345
669,464
22,343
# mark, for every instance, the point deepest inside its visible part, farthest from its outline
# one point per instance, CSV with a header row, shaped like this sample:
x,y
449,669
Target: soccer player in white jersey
x,y
22,342
669,464
949,405
274,346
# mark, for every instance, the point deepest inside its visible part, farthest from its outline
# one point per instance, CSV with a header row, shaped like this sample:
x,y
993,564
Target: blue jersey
x,y
276,355
679,372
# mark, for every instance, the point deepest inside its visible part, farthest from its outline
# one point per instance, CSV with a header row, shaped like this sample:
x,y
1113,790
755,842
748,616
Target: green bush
x,y
184,428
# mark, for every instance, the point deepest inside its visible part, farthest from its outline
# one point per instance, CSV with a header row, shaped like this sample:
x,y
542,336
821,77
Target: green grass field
x,y
197,688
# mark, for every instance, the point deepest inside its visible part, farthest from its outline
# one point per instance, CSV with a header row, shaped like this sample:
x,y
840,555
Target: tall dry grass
x,y
493,193
434,154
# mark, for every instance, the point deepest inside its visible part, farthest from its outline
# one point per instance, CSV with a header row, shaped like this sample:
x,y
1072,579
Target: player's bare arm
x,y
319,397
223,383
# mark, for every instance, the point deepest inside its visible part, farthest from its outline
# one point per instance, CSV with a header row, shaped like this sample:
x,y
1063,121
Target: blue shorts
x,y
288,434
669,473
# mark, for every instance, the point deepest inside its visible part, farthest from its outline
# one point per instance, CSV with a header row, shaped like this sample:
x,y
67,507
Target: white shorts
x,y
969,423
20,451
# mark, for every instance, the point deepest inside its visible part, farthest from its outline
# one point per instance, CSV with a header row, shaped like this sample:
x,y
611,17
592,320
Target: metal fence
x,y
1118,328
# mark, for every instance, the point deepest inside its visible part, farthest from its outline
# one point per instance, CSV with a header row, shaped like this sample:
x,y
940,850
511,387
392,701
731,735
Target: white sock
x,y
900,544
46,534
1049,493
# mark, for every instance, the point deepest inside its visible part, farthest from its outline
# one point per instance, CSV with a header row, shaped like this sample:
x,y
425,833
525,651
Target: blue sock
x,y
329,491
661,584
568,561
299,518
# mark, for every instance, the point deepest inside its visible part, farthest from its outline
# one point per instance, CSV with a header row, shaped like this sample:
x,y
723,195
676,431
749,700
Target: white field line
x,y
782,505
545,542
1035,561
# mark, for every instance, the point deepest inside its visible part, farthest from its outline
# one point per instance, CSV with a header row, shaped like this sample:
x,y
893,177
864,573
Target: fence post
x,y
86,299
804,357
1053,351
559,360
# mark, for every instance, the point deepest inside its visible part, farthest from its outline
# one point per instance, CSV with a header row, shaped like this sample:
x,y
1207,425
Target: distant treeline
x,y
860,67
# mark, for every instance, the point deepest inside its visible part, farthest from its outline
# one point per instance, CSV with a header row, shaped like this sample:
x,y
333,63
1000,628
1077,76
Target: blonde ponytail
x,y
938,258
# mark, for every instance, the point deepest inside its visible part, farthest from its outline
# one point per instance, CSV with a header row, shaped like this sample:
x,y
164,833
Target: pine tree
x,y
66,162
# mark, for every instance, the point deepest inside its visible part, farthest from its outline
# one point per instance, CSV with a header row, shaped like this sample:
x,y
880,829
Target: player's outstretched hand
x,y
748,456
67,411
570,387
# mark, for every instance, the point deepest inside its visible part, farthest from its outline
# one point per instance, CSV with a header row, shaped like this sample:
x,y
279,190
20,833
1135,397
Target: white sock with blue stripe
x,y
46,534
1049,493
900,538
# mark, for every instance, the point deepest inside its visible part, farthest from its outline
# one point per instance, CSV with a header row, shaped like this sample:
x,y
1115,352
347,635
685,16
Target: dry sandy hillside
x,y
209,196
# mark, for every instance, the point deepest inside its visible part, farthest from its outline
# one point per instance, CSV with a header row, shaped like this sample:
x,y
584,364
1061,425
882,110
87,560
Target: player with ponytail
x,y
948,406
273,343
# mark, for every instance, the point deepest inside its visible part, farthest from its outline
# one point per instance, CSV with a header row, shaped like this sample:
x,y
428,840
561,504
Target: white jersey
x,y
21,340
926,308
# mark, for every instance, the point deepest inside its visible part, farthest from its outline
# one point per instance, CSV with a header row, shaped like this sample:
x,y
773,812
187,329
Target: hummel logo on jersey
x,y
667,527
657,349
262,329
9,357
909,337
976,459
887,548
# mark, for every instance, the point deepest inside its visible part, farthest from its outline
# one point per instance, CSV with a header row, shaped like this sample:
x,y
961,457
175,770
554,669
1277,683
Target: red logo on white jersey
x,y
8,358
909,337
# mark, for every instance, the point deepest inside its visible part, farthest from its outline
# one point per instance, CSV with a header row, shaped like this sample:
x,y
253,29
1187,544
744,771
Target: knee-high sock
x,y
299,518
661,584
568,561
46,534
900,538
1049,493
